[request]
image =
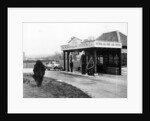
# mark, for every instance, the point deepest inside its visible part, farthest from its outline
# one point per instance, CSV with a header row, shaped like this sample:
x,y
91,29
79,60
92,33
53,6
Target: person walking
x,y
83,63
71,64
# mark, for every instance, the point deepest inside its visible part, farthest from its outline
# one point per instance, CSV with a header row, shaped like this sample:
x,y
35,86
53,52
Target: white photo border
x,y
18,104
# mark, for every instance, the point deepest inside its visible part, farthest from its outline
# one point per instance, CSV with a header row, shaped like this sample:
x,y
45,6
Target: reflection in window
x,y
110,59
98,60
116,59
101,59
106,59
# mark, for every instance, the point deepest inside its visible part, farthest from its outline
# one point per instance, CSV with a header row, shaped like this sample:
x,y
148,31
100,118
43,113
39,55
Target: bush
x,y
39,71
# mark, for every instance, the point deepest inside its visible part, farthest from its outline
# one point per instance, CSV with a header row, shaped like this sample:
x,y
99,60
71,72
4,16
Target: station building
x,y
109,52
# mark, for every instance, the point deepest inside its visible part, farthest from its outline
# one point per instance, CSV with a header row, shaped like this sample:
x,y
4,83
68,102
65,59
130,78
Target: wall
x,y
124,59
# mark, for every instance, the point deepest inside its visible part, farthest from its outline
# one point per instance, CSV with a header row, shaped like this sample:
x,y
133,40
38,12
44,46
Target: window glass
x,y
101,59
110,59
116,59
98,59
106,59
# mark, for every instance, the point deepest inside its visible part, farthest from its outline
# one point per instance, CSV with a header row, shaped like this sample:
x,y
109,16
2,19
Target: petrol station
x,y
108,52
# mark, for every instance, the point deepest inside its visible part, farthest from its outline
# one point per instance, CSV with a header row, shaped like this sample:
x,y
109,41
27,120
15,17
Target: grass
x,y
50,88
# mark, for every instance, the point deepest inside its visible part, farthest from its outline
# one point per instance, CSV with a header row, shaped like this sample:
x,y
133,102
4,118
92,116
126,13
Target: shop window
x,y
116,59
111,59
98,60
106,59
101,59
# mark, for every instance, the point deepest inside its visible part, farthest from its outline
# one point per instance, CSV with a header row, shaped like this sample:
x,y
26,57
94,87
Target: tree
x,y
39,71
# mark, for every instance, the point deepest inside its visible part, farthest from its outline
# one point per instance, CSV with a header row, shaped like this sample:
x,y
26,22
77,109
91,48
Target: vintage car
x,y
53,65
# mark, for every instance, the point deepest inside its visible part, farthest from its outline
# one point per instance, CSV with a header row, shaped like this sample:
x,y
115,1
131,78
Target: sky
x,y
46,38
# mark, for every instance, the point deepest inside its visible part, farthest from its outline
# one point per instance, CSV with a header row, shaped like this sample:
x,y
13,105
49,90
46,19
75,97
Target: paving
x,y
100,86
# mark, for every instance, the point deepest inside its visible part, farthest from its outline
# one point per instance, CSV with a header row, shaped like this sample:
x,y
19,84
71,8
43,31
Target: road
x,y
102,86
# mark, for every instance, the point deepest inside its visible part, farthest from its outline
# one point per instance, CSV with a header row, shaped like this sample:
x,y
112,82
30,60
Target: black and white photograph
x,y
74,60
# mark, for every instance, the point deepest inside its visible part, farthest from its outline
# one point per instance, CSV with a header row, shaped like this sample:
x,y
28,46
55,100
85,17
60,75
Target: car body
x,y
49,66
53,65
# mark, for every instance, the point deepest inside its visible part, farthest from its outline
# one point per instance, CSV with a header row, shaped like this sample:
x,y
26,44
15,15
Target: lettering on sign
x,y
92,44
108,44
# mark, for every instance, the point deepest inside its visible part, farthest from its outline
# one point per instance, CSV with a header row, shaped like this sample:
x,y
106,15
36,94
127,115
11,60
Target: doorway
x,y
100,63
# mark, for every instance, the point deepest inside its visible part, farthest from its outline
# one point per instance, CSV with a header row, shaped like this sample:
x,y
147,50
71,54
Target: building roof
x,y
86,40
72,38
114,39
114,36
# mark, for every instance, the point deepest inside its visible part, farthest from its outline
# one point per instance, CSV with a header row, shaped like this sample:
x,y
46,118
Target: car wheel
x,y
56,68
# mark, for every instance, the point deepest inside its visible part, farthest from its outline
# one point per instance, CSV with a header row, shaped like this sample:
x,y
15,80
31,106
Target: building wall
x,y
124,59
112,70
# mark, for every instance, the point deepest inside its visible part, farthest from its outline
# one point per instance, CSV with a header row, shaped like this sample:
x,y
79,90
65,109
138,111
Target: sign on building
x,y
91,44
